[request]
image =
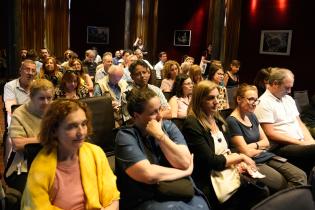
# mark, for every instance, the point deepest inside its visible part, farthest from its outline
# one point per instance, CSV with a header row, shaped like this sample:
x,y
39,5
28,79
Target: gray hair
x,y
279,74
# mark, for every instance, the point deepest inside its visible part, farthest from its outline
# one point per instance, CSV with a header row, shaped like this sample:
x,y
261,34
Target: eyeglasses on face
x,y
252,100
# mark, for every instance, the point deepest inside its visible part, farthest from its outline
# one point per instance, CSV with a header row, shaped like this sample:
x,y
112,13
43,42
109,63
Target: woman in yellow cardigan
x,y
69,173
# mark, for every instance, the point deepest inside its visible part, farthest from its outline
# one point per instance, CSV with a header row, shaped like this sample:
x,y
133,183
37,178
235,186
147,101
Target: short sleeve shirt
x,y
282,113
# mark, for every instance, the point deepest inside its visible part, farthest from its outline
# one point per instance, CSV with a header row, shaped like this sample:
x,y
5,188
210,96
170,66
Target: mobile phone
x,y
280,159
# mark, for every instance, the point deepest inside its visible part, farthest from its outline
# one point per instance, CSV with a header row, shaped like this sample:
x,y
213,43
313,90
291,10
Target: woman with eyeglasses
x,y
182,90
207,137
71,86
216,75
249,139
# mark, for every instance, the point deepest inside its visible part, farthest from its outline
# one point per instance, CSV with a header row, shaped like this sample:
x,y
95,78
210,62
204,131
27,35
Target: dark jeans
x,y
302,156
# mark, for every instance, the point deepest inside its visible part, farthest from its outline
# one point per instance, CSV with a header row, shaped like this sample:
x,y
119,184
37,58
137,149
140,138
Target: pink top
x,y
67,190
167,85
182,106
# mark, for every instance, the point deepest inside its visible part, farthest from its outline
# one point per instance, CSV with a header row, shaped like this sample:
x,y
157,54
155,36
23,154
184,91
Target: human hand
x,y
249,162
154,128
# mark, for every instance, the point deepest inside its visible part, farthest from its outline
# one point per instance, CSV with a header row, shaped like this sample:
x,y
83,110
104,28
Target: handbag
x,y
225,183
179,189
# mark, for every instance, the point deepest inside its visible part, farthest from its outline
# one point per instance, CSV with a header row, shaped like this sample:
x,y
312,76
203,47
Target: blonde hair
x,y
242,89
40,84
200,92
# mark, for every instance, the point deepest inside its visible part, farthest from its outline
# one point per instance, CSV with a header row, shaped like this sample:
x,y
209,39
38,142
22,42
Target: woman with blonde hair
x,y
171,69
249,139
207,138
195,74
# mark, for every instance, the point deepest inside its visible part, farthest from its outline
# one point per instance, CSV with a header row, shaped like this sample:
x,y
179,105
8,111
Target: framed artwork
x,y
275,42
97,35
182,37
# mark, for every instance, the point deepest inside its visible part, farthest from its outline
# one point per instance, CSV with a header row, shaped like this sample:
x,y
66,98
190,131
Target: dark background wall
x,y
278,15
110,14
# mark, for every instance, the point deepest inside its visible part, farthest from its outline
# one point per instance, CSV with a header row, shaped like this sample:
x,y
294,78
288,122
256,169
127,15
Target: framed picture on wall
x,y
97,35
182,37
275,42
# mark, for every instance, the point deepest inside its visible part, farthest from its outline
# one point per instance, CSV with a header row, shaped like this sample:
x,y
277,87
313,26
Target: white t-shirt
x,y
282,113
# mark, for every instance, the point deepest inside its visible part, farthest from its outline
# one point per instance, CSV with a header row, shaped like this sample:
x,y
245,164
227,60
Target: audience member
x,y
131,58
17,91
231,78
113,86
138,44
123,60
23,54
182,90
195,74
76,64
150,152
140,74
185,68
44,54
206,61
216,75
69,173
71,86
261,80
158,67
170,71
279,117
32,55
117,57
24,129
98,58
89,62
107,62
249,139
50,71
206,134
139,54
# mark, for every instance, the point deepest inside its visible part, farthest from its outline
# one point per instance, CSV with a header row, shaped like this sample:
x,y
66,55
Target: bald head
x,y
115,73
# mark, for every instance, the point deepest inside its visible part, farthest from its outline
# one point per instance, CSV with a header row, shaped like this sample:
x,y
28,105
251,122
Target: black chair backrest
x,y
30,152
299,197
103,122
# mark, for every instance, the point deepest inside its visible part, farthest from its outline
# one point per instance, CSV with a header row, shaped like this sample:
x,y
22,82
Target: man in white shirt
x,y
279,118
159,65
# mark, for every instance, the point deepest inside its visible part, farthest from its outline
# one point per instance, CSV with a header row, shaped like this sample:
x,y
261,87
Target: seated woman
x,y
216,75
86,80
149,152
206,134
24,128
231,78
170,70
71,87
182,91
195,74
249,139
69,173
50,71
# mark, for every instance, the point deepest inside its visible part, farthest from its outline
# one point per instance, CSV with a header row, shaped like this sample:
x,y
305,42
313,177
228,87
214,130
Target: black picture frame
x,y
182,37
275,42
97,35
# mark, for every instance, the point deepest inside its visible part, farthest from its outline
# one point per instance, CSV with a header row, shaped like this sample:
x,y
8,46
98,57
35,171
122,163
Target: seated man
x,y
103,71
140,75
114,86
150,152
17,91
279,118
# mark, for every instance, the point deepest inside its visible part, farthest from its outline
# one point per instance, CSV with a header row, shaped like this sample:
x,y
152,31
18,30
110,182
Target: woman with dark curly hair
x,y
170,70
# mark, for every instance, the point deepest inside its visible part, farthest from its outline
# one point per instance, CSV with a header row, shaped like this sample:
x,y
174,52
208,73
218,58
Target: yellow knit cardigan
x,y
98,180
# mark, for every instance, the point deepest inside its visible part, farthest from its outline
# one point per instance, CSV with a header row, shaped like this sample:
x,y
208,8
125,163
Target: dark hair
x,y
68,76
137,99
261,78
162,53
57,111
178,85
132,67
236,63
214,67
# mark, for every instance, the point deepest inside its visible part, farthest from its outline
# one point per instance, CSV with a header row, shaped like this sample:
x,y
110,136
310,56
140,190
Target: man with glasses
x,y
279,118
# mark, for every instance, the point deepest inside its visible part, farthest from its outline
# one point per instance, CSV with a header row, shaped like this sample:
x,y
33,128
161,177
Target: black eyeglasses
x,y
252,100
72,71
